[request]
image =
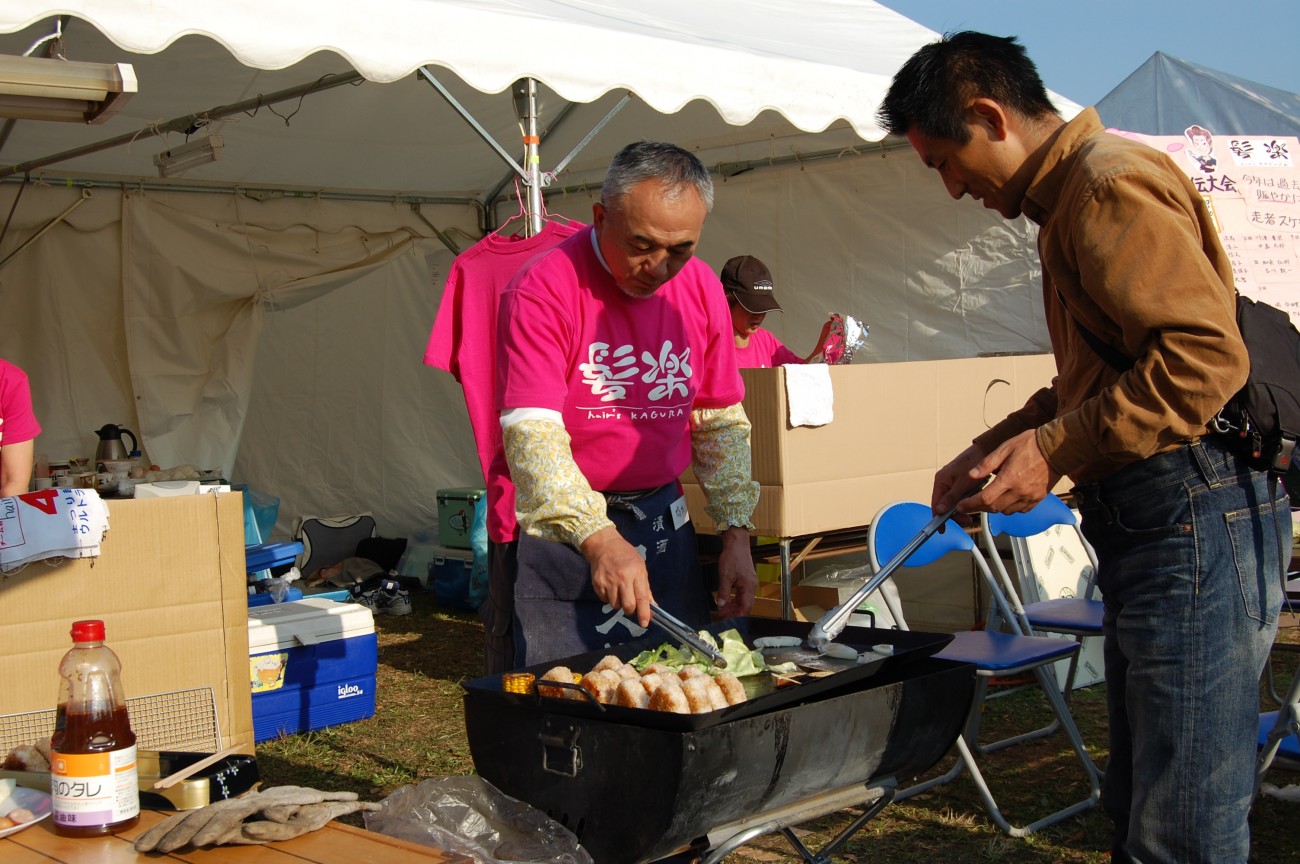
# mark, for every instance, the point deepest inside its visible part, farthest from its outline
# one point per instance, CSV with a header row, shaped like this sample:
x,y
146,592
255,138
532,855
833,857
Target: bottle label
x,y
94,789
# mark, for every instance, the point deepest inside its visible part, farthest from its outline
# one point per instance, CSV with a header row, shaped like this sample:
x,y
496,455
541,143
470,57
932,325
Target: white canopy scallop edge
x,y
813,62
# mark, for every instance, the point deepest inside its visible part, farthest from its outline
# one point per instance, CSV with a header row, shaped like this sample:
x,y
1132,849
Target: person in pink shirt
x,y
18,430
750,296
616,370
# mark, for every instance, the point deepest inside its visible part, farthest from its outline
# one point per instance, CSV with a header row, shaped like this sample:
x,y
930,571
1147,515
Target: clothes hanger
x,y
518,217
521,216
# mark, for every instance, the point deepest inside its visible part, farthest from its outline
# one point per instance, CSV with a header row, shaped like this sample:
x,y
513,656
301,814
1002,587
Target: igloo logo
x,y
347,691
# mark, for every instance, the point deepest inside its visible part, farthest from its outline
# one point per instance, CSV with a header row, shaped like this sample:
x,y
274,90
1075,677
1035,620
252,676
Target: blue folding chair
x,y
1078,616
992,653
1291,606
1279,731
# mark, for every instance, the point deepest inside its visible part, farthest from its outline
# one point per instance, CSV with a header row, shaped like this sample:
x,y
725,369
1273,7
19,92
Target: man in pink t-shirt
x,y
750,296
18,430
616,370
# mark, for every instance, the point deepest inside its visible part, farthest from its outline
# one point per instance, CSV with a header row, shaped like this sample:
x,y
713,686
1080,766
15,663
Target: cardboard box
x,y
171,589
767,604
895,425
943,597
311,664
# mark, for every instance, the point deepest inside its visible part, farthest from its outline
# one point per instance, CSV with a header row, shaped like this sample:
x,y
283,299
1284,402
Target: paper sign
x,y
1252,186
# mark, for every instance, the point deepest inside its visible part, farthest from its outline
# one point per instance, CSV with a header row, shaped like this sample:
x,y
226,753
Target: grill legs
x,y
728,838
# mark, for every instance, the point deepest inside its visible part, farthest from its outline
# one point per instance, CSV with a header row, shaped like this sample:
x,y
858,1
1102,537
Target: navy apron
x,y
557,613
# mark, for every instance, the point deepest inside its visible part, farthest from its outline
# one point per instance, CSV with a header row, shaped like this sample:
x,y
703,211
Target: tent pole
x,y
85,196
428,76
525,97
188,122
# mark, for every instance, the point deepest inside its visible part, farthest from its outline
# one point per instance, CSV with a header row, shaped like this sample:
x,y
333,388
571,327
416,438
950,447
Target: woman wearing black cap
x,y
750,293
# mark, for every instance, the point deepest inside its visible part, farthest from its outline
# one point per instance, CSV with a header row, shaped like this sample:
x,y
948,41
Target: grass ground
x,y
418,732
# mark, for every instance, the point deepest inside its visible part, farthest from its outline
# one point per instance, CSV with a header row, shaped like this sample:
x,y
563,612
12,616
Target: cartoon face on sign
x,y
1201,147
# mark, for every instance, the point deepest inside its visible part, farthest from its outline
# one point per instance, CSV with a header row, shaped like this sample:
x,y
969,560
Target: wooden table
x,y
336,843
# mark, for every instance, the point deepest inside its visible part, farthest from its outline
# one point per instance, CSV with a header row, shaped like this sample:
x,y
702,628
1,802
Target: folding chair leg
x,y
1287,723
1272,682
966,760
1051,728
969,732
1043,731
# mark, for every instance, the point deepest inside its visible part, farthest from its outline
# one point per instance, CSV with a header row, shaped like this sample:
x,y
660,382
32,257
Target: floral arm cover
x,y
553,500
721,462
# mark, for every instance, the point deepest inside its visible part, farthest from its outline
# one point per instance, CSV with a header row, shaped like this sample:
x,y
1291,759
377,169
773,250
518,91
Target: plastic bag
x,y
874,610
846,337
260,513
420,549
470,816
478,541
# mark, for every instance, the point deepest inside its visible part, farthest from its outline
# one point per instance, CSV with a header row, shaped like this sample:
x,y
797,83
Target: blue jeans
x,y
1192,548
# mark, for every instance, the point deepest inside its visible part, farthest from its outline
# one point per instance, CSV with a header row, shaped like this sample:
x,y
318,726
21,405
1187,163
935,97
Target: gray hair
x,y
651,160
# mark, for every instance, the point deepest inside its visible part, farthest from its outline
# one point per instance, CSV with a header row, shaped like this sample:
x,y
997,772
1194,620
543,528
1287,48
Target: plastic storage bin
x,y
312,664
449,577
456,516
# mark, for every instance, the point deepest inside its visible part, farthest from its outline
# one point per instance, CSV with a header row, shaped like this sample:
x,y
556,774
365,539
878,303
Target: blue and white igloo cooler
x,y
311,664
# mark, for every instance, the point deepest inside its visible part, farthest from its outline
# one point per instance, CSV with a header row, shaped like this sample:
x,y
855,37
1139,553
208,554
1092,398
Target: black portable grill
x,y
638,785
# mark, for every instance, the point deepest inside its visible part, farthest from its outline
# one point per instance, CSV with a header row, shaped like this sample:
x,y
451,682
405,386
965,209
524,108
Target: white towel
x,y
51,523
808,390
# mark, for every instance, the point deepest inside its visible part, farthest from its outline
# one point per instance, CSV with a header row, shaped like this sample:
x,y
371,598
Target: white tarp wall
x,y
286,345
344,418
282,340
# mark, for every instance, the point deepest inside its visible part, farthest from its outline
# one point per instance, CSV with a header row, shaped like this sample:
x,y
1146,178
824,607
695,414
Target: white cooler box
x,y
312,664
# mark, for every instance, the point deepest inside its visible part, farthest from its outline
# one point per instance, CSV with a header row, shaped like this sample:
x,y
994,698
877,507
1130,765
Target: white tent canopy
x,y
813,65
810,68
266,312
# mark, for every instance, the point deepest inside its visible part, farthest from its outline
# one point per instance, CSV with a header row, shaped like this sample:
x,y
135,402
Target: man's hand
x,y
737,582
954,480
1021,478
618,573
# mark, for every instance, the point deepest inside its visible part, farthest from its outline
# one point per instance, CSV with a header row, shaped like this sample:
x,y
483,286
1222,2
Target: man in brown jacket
x,y
1191,541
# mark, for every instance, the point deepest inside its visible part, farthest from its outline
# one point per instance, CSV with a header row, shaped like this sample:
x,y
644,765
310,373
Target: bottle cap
x,y
87,631
135,454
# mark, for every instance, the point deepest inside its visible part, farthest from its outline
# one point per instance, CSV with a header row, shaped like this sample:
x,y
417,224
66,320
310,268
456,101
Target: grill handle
x,y
560,751
583,692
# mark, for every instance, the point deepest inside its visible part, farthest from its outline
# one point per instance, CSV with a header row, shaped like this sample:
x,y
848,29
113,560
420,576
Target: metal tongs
x,y
832,623
685,635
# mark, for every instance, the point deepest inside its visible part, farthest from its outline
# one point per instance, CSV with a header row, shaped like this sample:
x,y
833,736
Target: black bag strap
x,y
1114,358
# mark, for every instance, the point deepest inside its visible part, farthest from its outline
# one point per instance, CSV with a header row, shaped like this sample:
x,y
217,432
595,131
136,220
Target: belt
x,y
627,500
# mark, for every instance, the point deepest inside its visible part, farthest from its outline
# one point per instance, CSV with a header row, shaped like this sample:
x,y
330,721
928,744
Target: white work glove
x,y
288,812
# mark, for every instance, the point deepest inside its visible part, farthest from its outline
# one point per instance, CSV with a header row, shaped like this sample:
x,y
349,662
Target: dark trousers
x,y
498,609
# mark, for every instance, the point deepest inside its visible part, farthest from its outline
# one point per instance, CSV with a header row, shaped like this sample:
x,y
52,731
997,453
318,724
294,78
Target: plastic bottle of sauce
x,y
93,765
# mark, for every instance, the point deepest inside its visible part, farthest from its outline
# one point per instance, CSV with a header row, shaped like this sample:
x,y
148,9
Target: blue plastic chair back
x,y
1048,512
899,523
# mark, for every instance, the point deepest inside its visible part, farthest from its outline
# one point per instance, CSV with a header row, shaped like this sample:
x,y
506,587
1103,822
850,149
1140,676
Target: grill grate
x,y
184,720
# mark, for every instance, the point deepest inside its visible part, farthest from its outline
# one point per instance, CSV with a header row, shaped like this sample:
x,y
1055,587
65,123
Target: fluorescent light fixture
x,y
186,156
39,88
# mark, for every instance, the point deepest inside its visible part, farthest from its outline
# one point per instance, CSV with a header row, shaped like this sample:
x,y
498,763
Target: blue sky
x,y
1084,49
